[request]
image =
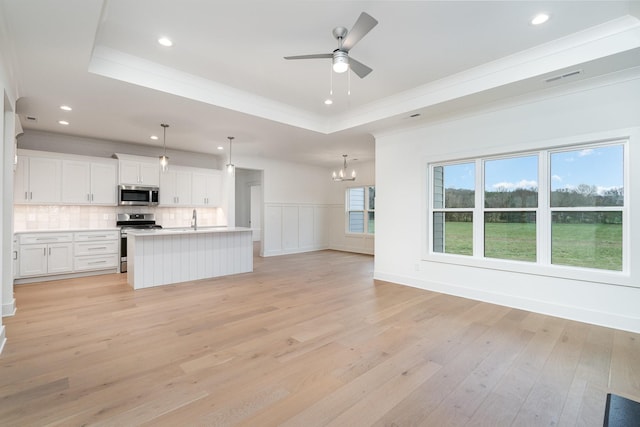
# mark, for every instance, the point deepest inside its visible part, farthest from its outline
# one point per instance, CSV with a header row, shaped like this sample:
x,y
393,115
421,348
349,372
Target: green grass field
x,y
580,245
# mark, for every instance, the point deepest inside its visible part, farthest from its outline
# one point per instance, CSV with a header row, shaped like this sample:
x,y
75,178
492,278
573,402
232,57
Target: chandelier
x,y
341,175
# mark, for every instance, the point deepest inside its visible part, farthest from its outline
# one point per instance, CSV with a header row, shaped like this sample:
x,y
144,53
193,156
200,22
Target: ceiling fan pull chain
x,y
331,80
349,84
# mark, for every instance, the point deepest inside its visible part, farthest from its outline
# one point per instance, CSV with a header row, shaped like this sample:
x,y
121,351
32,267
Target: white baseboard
x,y
3,338
277,252
607,319
354,249
9,308
64,276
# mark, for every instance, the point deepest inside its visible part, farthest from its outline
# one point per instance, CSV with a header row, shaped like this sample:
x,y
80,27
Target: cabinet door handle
x,y
92,197
15,255
26,196
30,195
97,262
96,248
88,197
45,251
49,251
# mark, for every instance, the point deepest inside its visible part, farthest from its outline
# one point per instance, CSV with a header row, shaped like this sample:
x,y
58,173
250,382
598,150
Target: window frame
x,y
542,265
367,209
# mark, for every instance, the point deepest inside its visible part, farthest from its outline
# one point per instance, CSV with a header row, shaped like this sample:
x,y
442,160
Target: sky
x,y
600,167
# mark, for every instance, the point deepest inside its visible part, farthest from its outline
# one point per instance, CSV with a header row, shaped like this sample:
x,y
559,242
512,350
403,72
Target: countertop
x,y
66,230
183,230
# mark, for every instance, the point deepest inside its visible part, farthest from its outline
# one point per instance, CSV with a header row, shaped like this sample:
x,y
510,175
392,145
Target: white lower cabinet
x,y
95,250
50,254
44,254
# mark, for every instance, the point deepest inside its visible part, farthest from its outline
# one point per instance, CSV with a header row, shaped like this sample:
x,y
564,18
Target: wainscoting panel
x,y
272,230
290,225
293,228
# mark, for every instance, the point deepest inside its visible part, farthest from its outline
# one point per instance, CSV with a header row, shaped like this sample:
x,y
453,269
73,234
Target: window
x,y
587,197
510,202
361,209
453,202
561,207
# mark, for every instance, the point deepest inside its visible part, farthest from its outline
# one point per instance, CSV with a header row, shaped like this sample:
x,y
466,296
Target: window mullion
x,y
543,214
478,216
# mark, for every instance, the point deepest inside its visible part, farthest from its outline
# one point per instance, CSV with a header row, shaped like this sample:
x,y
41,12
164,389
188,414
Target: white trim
x,y
3,338
607,319
9,308
64,276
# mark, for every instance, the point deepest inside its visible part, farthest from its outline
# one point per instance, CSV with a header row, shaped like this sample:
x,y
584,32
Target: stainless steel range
x,y
128,222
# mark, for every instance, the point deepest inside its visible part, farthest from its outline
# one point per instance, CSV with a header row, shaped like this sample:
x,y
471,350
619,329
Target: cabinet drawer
x,y
27,239
82,236
87,263
95,248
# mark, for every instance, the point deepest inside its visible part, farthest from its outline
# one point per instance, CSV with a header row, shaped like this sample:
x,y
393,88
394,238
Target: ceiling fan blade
x,y
318,55
363,25
359,68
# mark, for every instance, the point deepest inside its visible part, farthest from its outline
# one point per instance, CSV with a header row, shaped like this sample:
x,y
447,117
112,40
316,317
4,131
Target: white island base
x,y
164,257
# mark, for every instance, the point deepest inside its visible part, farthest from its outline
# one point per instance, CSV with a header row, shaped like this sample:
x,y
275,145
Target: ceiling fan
x,y
346,40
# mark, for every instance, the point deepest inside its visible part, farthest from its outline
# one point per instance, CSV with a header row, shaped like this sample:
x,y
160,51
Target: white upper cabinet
x,y
207,187
85,182
175,187
104,180
137,170
38,180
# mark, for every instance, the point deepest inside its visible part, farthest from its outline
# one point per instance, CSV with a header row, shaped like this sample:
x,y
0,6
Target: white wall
x,y
7,126
582,112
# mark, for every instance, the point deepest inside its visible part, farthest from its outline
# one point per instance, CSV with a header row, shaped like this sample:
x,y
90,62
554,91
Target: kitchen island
x,y
166,256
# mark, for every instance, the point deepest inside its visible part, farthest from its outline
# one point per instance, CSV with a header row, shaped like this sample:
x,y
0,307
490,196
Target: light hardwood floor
x,y
305,340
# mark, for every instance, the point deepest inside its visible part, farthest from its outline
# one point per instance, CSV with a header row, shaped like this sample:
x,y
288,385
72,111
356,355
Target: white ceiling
x,y
226,76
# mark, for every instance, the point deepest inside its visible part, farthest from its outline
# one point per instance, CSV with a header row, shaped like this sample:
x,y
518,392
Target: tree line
x,y
581,196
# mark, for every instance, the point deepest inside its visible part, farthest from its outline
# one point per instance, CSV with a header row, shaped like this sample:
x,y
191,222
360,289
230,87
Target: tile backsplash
x,y
59,217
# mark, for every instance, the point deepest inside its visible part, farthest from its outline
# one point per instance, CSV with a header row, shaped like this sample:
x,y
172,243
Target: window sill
x,y
359,235
618,278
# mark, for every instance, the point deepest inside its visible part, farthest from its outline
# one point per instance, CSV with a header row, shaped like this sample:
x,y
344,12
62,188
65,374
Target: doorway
x,y
249,201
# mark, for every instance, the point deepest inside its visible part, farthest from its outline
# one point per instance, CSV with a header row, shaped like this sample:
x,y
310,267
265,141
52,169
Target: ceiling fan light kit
x,y
340,61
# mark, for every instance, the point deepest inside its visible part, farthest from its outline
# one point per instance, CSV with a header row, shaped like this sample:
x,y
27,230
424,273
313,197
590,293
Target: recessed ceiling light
x,y
540,18
63,122
165,41
328,102
153,137
65,108
220,147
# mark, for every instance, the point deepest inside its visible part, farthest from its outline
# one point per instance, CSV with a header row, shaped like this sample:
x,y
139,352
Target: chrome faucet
x,y
194,220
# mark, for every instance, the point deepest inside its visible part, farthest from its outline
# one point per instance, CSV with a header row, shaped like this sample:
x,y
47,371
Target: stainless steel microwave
x,y
135,195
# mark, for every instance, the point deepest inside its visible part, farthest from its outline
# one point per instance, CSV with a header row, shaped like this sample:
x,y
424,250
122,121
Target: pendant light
x,y
342,174
230,167
164,160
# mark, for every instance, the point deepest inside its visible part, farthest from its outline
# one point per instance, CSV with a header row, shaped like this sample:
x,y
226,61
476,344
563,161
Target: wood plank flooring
x,y
304,340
